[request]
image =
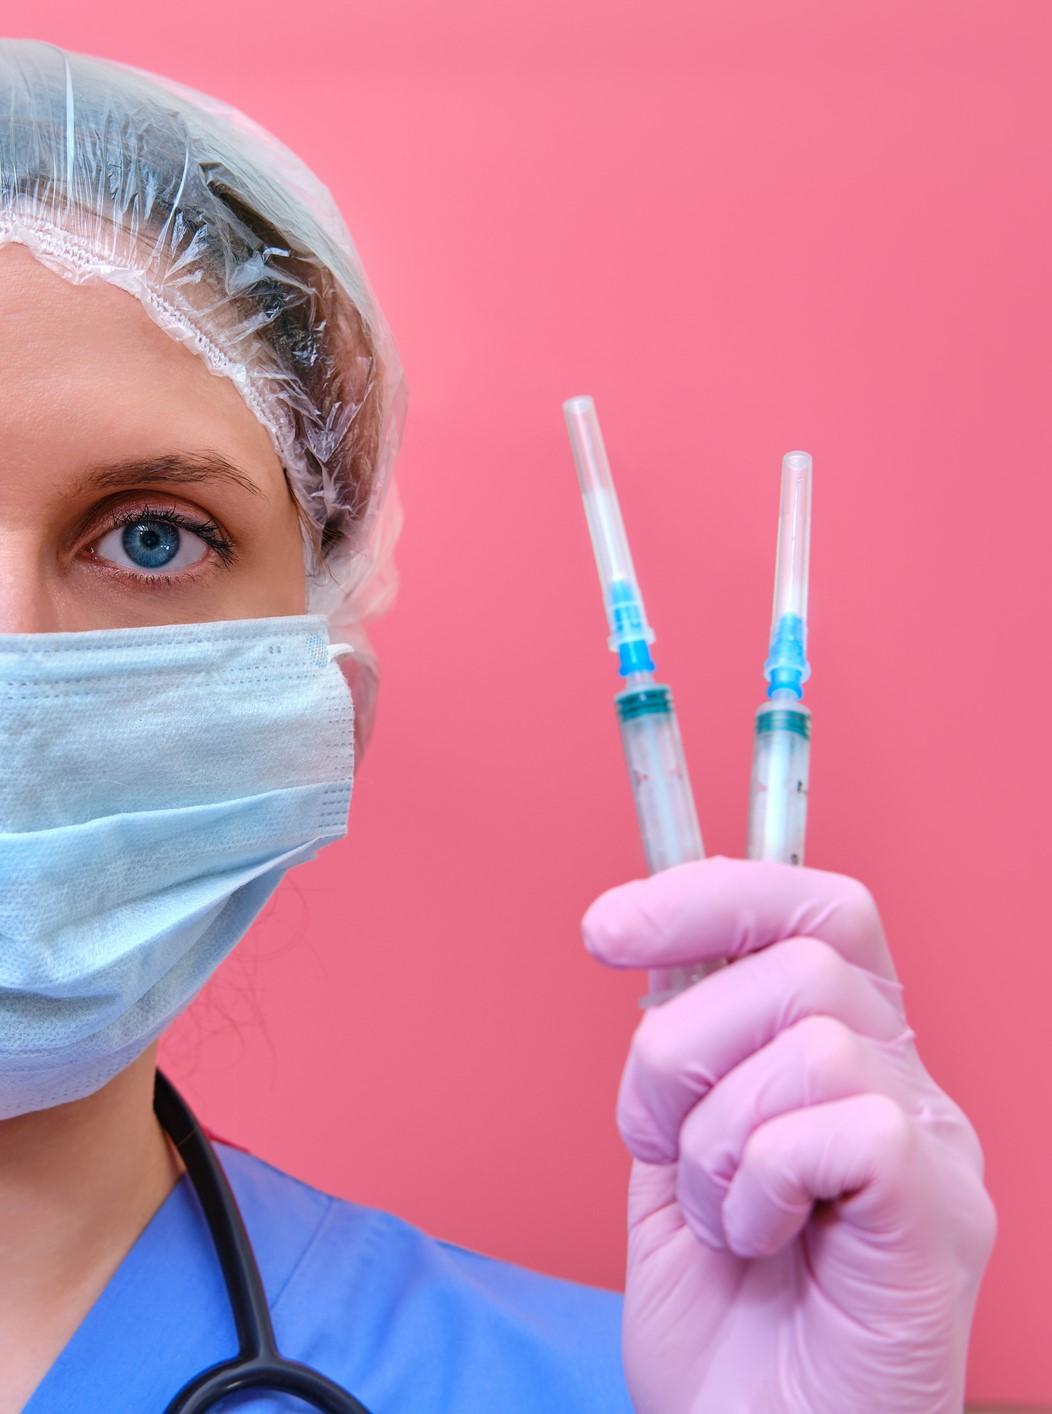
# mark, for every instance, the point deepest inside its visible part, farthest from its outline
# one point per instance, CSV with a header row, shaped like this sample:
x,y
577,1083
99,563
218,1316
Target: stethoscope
x,y
258,1364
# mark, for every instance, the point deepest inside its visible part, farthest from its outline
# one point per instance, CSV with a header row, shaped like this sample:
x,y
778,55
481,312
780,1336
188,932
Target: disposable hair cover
x,y
236,249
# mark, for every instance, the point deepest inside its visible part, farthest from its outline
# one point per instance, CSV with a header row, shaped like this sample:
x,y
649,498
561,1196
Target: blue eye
x,y
150,543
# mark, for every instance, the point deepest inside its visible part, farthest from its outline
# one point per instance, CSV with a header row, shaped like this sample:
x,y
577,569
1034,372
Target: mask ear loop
x,y
360,674
362,728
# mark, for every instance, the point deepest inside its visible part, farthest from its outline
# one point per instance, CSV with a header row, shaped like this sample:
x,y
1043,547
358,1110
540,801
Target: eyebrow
x,y
174,468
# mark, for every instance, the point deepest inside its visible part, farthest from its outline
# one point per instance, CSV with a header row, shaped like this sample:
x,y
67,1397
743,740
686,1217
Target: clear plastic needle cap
x,y
630,634
787,668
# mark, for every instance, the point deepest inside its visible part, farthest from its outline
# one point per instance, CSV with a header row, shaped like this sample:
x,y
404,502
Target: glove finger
x,y
816,1061
681,1050
710,909
860,1152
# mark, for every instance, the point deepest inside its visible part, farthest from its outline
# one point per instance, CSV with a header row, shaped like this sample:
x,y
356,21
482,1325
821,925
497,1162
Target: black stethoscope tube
x,y
259,1364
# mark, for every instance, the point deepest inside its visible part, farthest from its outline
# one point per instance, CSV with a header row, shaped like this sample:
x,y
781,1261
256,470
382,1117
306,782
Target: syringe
x,y
782,743
657,768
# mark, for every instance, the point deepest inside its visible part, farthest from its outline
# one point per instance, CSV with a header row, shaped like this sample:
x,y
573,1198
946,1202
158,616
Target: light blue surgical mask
x,y
155,786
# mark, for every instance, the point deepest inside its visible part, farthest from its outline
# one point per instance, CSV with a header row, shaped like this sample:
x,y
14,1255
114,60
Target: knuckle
x,y
890,1127
858,905
635,1131
708,1156
636,1123
826,1044
819,966
700,1196
654,1056
763,1156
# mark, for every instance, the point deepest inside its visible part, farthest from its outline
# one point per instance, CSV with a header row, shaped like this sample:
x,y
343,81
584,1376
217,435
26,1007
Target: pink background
x,y
743,226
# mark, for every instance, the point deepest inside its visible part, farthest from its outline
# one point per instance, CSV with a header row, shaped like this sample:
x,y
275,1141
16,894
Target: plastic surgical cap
x,y
237,250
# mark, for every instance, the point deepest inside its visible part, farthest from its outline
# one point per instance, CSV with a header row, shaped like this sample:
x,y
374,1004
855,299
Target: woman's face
x,y
135,485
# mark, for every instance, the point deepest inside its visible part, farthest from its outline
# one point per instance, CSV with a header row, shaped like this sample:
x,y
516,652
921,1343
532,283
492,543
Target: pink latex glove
x,y
807,1219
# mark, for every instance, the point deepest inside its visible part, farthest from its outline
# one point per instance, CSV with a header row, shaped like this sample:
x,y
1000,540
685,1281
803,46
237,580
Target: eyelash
x,y
208,530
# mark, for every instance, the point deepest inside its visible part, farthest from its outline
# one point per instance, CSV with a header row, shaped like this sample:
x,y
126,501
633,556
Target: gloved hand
x,y
807,1220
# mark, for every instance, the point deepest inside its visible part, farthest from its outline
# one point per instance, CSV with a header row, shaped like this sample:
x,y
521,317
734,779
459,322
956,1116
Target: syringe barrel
x,y
668,821
778,788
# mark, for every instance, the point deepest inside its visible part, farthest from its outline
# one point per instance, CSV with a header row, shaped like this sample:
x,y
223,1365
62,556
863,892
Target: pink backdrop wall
x,y
743,226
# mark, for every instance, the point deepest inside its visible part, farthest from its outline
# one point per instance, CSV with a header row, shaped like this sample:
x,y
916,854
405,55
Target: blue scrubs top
x,y
402,1320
